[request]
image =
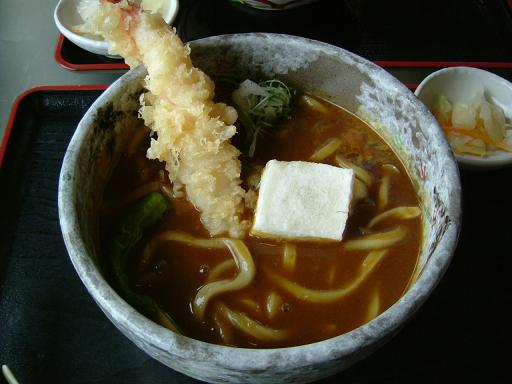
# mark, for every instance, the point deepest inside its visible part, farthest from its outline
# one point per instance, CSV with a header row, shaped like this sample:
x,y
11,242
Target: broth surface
x,y
174,272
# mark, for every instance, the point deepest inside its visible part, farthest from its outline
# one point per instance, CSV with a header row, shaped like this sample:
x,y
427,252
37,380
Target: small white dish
x,y
274,5
461,84
66,19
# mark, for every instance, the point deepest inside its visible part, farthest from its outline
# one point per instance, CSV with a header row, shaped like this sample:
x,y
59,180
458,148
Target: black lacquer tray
x,y
71,56
394,33
51,331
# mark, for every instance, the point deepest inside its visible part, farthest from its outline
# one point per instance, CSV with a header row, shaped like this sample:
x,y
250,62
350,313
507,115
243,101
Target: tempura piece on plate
x,y
191,132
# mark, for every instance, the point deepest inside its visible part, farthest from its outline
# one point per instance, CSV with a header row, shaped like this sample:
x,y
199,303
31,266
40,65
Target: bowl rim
x,y
503,159
169,342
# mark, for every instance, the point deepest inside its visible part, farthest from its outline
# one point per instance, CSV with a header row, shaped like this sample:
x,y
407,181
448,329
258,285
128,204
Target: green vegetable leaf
x,y
129,231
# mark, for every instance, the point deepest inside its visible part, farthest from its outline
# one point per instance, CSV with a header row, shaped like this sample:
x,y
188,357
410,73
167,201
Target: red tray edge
x,y
383,63
81,67
444,64
19,99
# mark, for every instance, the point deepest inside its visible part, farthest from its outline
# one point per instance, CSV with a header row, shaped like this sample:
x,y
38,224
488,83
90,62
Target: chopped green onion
x,y
260,106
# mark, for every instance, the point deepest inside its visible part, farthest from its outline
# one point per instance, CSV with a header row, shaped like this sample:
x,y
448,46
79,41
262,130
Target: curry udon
x,y
300,291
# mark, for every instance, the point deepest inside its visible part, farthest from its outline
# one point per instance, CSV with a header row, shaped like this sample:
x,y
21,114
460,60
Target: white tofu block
x,y
303,201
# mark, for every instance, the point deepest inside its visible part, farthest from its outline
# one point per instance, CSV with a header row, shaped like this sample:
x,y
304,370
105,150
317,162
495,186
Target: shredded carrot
x,y
477,135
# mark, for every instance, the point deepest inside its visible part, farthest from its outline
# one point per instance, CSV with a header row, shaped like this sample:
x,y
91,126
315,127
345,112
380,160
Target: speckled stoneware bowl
x,y
330,72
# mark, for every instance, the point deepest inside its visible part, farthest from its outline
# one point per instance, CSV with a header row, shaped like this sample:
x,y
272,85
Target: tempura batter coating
x,y
192,132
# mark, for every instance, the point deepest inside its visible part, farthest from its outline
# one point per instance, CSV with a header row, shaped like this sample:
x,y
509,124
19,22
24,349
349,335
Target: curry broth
x,y
175,272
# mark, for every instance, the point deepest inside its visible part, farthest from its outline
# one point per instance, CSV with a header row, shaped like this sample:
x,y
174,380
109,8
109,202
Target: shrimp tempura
x,y
192,132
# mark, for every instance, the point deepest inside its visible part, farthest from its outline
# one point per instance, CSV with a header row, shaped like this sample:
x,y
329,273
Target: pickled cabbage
x,y
476,128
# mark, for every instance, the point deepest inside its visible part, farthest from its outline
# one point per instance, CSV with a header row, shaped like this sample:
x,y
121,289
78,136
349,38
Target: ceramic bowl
x,y
461,84
330,72
66,19
274,5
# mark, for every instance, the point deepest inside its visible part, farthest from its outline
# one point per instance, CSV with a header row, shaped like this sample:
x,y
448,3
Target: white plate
x,y
66,17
